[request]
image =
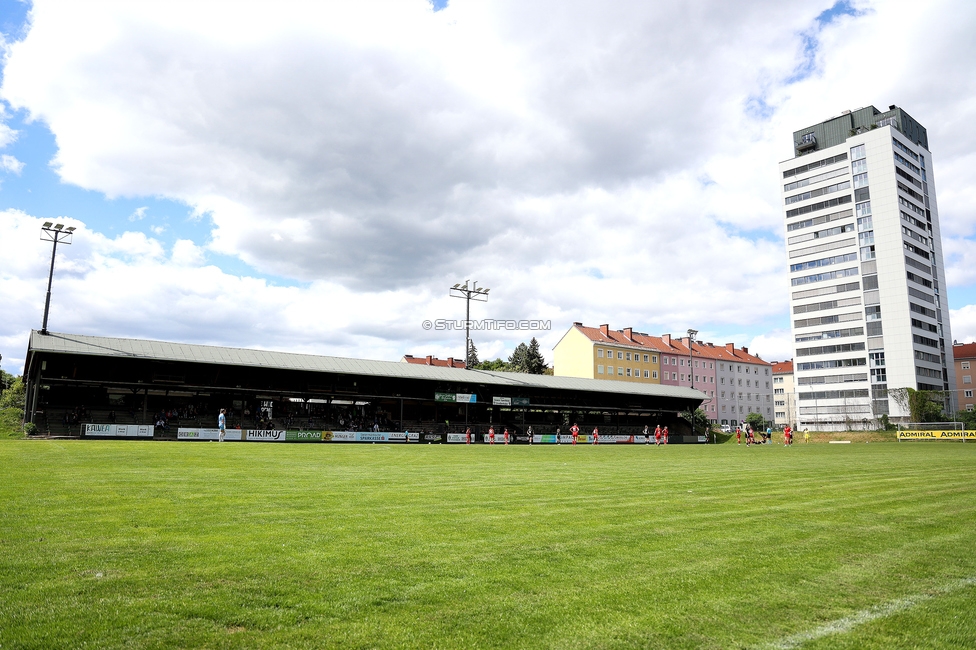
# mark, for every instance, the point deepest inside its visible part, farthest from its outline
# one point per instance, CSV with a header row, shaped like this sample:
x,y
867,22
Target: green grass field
x,y
148,544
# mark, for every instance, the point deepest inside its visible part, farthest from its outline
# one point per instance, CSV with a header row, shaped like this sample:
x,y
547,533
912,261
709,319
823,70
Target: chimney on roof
x,y
730,347
745,349
450,362
667,339
430,359
629,333
605,328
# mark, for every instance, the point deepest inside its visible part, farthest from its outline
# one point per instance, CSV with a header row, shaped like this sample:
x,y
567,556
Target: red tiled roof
x,y
964,351
783,367
636,339
449,362
666,344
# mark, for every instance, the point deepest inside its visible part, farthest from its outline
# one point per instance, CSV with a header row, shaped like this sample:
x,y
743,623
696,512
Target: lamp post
x,y
691,340
474,292
57,234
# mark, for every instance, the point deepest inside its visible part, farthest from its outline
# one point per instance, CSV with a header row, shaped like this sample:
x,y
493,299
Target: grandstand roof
x,y
83,344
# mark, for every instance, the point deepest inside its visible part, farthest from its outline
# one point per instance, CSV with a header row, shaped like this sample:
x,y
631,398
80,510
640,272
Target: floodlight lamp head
x,y
456,285
486,291
47,224
59,226
70,229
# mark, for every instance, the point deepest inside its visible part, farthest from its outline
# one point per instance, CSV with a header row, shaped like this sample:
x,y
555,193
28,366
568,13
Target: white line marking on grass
x,y
848,623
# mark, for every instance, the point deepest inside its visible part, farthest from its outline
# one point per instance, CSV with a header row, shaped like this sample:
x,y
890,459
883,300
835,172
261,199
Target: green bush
x,y
30,429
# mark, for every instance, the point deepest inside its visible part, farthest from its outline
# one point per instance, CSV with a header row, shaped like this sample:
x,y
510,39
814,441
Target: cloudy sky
x,y
313,177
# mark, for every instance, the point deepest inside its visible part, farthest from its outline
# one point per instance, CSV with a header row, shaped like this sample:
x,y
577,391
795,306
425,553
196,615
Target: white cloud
x,y
776,345
963,322
379,152
186,253
138,214
7,134
10,164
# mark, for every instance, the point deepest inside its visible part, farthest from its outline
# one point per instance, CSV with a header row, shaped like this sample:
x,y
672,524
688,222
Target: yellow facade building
x,y
602,353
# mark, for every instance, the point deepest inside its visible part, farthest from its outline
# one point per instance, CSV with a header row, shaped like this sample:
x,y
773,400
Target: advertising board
x,y
610,440
369,436
304,436
445,397
119,430
460,437
501,401
937,435
470,398
261,435
207,434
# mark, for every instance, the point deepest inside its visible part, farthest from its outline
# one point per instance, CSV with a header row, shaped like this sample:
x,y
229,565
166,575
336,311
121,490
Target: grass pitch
x,y
148,544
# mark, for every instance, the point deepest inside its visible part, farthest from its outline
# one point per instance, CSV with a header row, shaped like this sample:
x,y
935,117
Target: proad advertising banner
x,y
304,436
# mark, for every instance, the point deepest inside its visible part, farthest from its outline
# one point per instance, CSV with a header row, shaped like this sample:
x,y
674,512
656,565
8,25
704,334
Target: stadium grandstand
x,y
74,380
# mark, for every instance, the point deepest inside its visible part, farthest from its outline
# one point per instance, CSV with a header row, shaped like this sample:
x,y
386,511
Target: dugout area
x,y
74,380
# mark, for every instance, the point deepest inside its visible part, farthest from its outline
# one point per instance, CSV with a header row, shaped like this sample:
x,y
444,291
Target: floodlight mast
x,y
474,292
57,234
691,371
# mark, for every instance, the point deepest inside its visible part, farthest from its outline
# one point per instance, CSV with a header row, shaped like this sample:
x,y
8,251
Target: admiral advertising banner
x,y
432,438
937,435
460,437
119,430
208,434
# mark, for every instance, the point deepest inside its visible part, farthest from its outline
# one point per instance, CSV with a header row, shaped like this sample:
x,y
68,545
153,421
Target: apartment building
x,y
626,355
866,271
964,355
784,395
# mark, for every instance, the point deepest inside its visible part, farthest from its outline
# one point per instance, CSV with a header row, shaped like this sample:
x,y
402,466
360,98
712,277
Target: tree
x,y
535,364
519,361
922,405
497,365
6,380
968,418
700,424
13,395
756,421
471,361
